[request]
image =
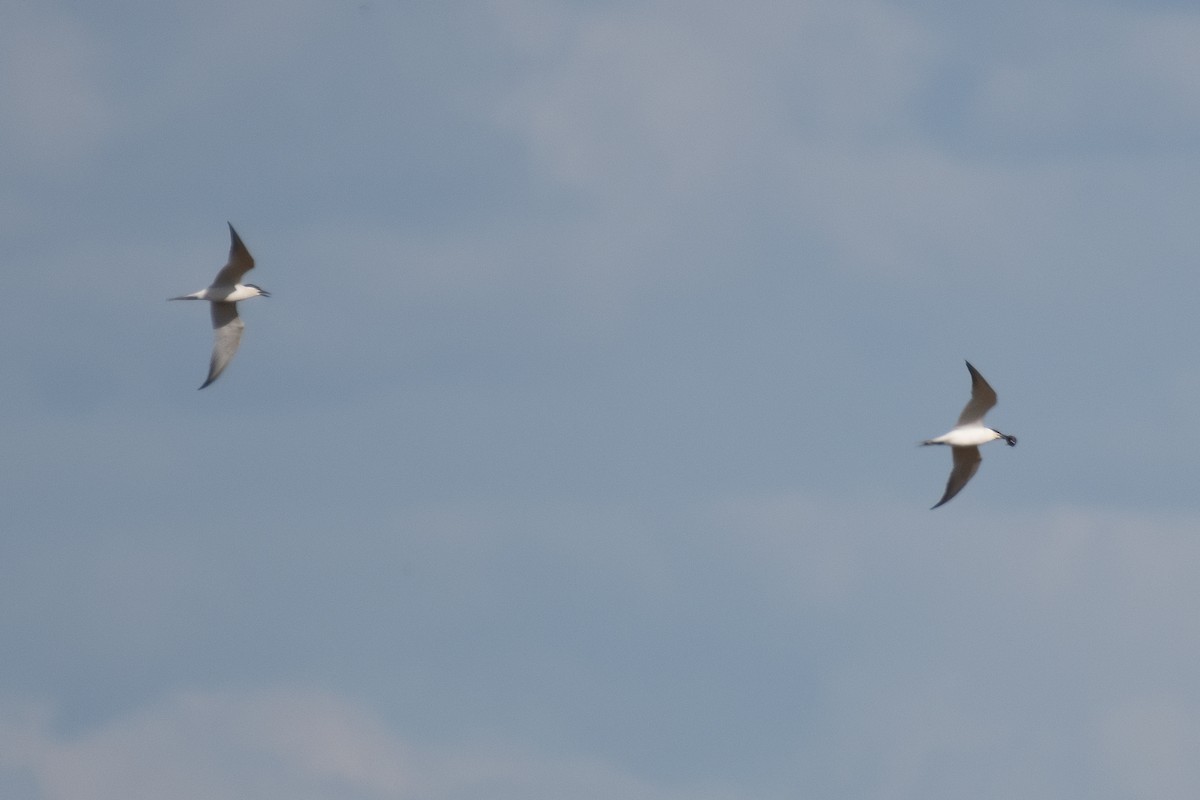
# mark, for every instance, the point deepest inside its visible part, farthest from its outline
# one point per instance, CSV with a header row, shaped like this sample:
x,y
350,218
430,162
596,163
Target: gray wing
x,y
240,262
966,464
227,335
983,397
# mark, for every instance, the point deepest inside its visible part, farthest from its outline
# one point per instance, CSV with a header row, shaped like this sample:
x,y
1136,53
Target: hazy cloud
x,y
574,453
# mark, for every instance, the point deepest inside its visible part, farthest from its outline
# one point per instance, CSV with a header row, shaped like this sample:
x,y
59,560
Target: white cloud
x,y
812,551
677,97
694,130
290,744
909,653
197,746
688,134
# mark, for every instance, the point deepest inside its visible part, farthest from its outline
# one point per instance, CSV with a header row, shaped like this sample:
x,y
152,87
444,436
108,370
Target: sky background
x,y
573,454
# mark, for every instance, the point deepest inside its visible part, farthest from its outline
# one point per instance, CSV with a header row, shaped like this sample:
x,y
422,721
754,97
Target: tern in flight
x,y
968,433
224,294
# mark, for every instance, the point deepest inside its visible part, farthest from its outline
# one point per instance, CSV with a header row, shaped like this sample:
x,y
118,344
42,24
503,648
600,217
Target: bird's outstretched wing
x,y
240,262
227,335
966,464
983,397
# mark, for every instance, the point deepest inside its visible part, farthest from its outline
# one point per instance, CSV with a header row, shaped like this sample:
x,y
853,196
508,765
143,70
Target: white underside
x,y
229,294
967,436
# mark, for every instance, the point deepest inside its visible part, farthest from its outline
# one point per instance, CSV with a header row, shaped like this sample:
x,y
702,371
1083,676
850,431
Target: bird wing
x,y
983,397
240,262
227,335
966,464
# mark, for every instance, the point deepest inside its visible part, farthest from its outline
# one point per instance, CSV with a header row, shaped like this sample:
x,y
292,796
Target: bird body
x,y
968,433
224,294
968,436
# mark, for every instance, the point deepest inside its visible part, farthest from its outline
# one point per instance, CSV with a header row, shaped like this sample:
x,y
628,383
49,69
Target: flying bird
x,y
968,433
224,294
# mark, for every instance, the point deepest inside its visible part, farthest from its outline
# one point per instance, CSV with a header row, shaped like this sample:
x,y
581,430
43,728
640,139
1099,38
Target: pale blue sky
x,y
573,455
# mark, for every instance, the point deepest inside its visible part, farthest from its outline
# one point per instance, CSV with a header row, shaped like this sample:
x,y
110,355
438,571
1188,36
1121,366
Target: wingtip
x,y
946,498
238,253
